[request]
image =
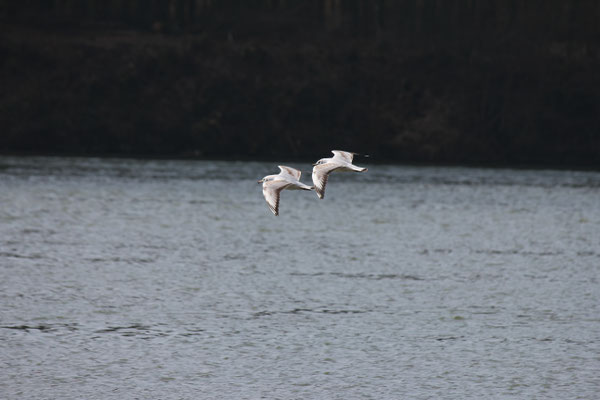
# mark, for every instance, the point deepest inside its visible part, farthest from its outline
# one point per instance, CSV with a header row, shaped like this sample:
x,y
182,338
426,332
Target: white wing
x,y
344,155
293,172
271,191
319,176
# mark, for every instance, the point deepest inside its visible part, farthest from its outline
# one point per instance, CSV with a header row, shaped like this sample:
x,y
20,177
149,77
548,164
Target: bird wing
x,y
271,191
293,172
319,176
344,155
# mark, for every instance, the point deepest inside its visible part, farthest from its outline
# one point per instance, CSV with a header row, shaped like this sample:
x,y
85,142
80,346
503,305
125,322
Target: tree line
x,y
543,19
505,81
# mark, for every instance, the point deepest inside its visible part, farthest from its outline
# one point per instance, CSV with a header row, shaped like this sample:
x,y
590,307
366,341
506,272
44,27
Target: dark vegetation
x,y
496,81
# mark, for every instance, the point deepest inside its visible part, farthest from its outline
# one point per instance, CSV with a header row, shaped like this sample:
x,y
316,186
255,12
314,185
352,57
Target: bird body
x,y
341,162
287,179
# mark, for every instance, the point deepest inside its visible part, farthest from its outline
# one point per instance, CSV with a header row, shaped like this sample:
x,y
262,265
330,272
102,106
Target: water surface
x,y
173,280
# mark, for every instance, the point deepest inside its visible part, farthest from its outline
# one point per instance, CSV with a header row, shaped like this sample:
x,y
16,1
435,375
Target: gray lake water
x,y
129,279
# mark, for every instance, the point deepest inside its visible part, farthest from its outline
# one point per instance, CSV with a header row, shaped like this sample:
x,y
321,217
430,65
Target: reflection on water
x,y
172,279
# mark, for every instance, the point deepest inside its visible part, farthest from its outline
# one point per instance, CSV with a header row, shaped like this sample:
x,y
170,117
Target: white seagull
x,y
288,178
341,161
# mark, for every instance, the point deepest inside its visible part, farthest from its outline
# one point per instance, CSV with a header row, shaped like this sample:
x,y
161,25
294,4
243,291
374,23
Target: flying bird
x,y
288,178
341,161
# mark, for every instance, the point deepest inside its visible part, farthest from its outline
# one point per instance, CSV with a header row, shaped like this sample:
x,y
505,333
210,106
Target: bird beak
x,y
261,181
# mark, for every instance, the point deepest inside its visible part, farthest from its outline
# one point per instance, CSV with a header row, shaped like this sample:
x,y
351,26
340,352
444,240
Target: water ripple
x,y
172,280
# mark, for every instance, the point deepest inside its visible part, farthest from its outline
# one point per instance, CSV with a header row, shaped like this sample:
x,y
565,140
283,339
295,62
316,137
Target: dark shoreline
x,y
370,160
95,91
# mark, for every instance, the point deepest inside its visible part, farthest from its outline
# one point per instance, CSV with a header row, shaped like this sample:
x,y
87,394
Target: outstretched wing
x,y
293,172
344,155
271,191
319,176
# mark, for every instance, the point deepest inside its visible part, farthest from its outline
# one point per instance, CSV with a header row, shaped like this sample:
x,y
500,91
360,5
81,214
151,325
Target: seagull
x,y
288,178
341,161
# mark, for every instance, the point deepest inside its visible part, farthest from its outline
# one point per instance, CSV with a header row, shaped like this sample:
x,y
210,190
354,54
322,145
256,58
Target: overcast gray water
x,y
124,279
